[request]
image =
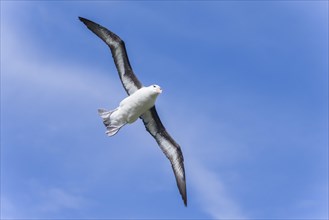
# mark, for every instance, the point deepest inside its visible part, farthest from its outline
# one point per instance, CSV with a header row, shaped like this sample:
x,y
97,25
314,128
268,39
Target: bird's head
x,y
155,88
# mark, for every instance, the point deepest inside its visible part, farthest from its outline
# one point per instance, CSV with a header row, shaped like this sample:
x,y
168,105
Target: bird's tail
x,y
112,128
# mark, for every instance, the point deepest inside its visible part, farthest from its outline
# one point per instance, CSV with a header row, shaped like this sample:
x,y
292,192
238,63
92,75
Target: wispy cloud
x,y
23,61
212,194
52,80
55,199
203,152
46,201
8,209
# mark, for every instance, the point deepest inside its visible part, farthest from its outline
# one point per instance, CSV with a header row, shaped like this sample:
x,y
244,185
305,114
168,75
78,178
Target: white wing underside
x,y
150,118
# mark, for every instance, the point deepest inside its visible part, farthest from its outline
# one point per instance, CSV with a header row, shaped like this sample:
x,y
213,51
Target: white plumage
x,y
130,109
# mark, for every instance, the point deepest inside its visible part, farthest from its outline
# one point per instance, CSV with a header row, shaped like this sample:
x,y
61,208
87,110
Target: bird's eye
x,y
154,86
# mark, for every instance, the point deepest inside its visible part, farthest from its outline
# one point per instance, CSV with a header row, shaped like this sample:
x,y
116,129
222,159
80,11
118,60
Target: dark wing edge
x,y
129,80
169,147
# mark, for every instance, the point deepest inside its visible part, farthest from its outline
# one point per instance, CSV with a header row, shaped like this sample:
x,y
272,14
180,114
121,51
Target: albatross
x,y
139,104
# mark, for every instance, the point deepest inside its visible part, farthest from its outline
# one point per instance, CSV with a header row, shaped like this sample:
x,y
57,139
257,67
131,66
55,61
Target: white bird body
x,y
130,108
136,104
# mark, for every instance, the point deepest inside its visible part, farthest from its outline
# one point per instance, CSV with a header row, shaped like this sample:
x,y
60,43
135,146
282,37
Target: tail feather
x,y
112,129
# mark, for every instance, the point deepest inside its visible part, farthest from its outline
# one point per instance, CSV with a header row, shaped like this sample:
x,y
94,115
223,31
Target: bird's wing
x,y
169,147
150,118
119,53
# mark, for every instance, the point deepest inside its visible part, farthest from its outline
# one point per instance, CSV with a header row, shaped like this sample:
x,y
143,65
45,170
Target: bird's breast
x,y
135,105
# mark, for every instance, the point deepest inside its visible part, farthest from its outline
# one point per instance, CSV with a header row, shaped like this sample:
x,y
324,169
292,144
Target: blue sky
x,y
245,95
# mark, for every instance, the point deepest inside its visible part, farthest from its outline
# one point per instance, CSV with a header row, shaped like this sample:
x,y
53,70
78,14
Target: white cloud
x,y
7,209
46,201
55,199
203,153
211,193
22,62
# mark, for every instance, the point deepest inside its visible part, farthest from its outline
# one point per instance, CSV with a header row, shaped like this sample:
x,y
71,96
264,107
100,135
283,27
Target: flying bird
x,y
139,104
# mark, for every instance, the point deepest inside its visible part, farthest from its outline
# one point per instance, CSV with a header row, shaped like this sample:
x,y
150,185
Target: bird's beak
x,y
159,90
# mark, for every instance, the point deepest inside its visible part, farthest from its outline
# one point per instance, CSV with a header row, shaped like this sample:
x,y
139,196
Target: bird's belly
x,y
135,108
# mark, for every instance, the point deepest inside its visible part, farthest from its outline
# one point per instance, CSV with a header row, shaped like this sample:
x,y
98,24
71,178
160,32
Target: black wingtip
x,y
182,190
81,18
90,24
184,197
84,20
